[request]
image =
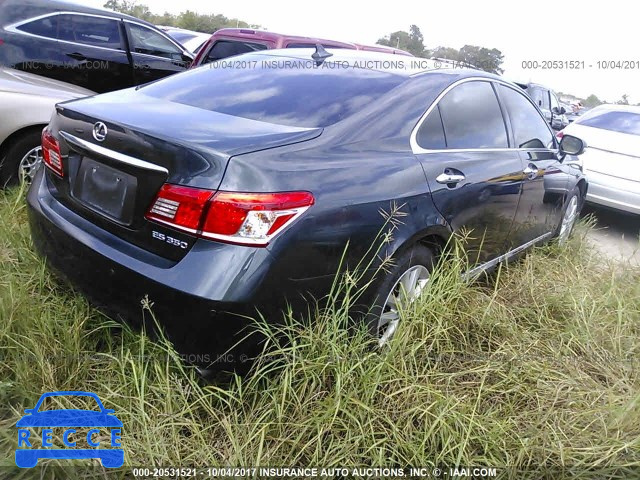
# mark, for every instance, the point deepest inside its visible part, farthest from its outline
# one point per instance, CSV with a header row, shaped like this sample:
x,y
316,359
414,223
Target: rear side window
x,y
529,128
44,27
93,31
431,133
228,48
624,122
472,117
302,97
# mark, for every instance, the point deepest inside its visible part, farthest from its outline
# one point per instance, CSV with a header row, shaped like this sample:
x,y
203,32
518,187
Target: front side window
x,y
149,42
44,27
529,128
228,48
472,118
88,30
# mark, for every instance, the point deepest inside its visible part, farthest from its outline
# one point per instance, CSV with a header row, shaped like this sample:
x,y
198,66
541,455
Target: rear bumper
x,y
202,301
614,192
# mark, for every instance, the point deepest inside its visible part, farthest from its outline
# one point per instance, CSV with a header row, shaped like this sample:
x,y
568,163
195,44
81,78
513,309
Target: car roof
x,y
377,61
18,10
249,33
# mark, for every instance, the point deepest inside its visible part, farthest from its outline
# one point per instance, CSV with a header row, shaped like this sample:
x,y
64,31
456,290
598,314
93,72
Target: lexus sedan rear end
x,y
218,193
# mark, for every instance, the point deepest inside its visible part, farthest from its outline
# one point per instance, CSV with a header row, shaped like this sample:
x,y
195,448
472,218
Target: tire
x,y
24,154
570,214
418,260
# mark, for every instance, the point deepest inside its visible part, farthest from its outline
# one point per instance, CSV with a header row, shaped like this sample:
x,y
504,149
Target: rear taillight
x,y
180,207
51,153
242,218
559,135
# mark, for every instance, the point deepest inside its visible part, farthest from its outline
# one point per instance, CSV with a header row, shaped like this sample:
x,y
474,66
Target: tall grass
x,y
534,369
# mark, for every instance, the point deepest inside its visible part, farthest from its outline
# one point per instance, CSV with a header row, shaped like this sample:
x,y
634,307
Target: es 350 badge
x,y
83,432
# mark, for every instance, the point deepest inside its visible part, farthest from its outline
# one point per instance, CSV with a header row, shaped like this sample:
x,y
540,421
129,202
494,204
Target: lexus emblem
x,y
100,131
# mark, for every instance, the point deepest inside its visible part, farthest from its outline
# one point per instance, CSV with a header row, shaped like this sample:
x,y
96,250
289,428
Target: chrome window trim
x,y
112,154
14,28
417,149
475,272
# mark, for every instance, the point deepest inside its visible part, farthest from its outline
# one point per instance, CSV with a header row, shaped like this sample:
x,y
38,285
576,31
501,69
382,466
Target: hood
x,y
26,83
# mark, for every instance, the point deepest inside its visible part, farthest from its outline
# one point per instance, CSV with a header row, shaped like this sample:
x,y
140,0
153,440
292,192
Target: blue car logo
x,y
29,452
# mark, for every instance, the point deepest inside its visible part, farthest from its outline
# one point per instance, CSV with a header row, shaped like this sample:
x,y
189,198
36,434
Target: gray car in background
x,y
26,104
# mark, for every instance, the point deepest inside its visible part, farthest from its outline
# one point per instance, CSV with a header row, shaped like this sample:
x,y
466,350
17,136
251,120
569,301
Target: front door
x,y
154,55
473,175
544,177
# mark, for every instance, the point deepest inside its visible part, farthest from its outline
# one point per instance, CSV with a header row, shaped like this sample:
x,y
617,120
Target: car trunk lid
x,y
147,143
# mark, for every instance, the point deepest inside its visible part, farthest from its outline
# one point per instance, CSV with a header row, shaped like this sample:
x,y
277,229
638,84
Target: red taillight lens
x,y
243,218
181,207
559,135
51,153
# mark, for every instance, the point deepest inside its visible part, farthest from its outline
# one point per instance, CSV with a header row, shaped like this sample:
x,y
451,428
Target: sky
x,y
544,30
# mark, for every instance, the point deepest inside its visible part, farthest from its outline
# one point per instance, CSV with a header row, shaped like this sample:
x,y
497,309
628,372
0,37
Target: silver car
x,y
612,157
26,104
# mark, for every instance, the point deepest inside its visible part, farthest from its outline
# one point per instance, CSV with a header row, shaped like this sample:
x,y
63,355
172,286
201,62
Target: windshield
x,y
624,122
286,91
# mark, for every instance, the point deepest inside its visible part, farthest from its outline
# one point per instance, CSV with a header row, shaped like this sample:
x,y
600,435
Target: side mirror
x,y
571,145
29,410
109,411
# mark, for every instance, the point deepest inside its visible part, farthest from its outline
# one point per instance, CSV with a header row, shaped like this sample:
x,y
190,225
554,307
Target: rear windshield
x,y
285,91
624,122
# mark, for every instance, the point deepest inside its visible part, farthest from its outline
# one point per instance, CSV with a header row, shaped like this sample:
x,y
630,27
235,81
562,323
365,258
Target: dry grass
x,y
535,369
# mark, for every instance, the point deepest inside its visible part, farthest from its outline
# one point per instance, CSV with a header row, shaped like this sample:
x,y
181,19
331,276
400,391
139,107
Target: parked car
x,y
192,41
612,157
228,42
547,102
277,180
94,48
26,104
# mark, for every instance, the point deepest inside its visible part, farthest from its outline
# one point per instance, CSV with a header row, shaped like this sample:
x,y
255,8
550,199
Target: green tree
x,y
187,19
592,101
445,53
412,41
483,58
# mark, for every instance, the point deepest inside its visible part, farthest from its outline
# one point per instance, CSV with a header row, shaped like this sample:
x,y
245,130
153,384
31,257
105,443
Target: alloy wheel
x,y
568,220
405,291
29,164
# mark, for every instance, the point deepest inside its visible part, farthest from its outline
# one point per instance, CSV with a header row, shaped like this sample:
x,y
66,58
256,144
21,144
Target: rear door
x,y
93,52
544,178
153,54
473,175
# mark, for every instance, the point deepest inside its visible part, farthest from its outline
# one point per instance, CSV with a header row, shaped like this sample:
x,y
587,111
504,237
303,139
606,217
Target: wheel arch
x,y
4,146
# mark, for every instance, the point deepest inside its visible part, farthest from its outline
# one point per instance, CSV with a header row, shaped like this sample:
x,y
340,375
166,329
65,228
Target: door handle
x,y
531,172
77,56
450,178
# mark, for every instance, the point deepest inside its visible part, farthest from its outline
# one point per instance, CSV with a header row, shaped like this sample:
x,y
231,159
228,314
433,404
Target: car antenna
x,y
320,55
